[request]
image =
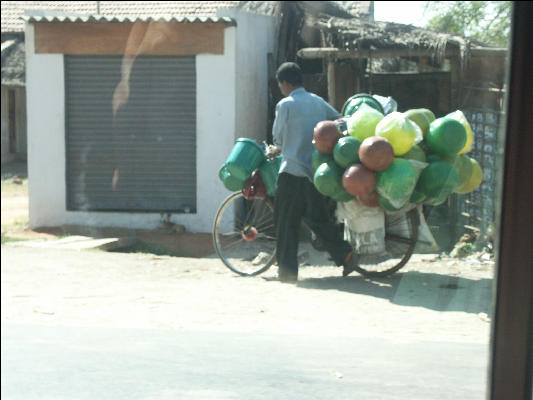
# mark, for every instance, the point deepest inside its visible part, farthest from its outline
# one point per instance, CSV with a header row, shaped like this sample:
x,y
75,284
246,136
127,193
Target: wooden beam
x,y
489,52
328,52
157,38
331,83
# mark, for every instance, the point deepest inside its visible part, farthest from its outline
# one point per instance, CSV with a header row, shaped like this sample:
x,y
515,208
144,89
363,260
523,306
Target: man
x,y
296,196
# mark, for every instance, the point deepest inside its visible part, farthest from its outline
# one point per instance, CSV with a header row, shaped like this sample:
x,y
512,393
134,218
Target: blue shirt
x,y
296,118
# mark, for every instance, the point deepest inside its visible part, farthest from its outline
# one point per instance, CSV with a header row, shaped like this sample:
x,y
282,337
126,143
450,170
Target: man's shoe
x,y
351,265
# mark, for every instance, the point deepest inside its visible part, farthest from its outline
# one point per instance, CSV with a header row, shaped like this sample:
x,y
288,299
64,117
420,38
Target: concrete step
x,y
78,243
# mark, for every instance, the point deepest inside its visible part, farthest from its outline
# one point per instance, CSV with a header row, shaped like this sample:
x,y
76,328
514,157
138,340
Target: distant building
x,y
133,109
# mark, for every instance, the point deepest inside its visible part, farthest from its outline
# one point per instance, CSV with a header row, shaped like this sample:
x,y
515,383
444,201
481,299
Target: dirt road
x,y
430,300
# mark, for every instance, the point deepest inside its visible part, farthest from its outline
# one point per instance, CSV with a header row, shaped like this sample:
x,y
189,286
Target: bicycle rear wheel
x,y
401,234
244,234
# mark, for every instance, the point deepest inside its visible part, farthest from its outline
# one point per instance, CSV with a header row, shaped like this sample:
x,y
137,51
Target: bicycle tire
x,y
400,242
233,234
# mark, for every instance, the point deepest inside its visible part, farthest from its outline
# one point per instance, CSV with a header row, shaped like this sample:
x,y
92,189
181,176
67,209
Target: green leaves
x,y
486,21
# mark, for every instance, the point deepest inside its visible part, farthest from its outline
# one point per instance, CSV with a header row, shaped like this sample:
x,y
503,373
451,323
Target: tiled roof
x,y
13,11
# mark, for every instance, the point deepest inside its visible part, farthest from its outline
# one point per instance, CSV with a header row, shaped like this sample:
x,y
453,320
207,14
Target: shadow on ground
x,y
415,289
155,241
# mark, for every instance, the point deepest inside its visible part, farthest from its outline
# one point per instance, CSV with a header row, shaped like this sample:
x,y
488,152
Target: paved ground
x,y
123,364
80,324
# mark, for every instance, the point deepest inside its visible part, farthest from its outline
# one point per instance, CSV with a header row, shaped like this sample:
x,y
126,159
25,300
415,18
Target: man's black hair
x,y
290,72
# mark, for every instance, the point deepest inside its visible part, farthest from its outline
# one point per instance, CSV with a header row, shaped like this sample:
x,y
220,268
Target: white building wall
x,y
45,90
215,127
219,95
255,38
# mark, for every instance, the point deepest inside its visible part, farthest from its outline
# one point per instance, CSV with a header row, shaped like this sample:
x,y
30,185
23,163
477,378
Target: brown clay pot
x,y
325,136
370,200
376,153
358,180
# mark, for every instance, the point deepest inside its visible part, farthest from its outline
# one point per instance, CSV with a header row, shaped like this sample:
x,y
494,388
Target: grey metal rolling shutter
x,y
151,140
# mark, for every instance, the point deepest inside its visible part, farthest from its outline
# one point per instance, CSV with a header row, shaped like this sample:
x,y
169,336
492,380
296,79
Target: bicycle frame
x,y
255,190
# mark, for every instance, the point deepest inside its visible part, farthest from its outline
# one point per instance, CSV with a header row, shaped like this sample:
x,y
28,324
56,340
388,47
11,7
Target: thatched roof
x,y
340,9
358,35
13,60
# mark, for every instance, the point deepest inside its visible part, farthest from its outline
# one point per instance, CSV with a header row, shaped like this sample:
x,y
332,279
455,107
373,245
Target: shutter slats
x,y
152,139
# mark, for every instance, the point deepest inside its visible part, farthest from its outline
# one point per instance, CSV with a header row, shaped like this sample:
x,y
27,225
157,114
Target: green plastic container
x,y
269,173
230,182
438,179
245,157
318,158
436,201
396,183
446,136
417,197
328,179
343,196
354,102
386,204
416,153
346,151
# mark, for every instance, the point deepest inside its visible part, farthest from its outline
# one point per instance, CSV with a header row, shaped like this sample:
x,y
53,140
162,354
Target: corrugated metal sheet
x,y
126,18
151,140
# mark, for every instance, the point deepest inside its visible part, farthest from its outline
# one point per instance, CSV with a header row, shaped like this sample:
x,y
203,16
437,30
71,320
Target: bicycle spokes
x,y
244,234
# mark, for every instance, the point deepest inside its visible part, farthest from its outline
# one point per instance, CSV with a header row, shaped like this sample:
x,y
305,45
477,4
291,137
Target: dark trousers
x,y
297,198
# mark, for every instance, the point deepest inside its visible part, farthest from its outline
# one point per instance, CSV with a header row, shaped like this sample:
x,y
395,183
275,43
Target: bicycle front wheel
x,y
244,234
401,234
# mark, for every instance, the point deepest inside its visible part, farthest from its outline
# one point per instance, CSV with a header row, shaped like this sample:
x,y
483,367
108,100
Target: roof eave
x,y
127,19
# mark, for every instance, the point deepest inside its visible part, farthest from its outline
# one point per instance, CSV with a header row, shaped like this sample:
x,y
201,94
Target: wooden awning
x,y
101,35
336,53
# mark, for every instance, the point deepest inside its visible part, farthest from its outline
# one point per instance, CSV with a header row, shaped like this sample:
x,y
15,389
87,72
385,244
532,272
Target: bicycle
x,y
244,235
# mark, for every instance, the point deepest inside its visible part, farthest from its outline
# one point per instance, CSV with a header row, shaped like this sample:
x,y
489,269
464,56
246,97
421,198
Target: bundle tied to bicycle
x,y
374,161
391,162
